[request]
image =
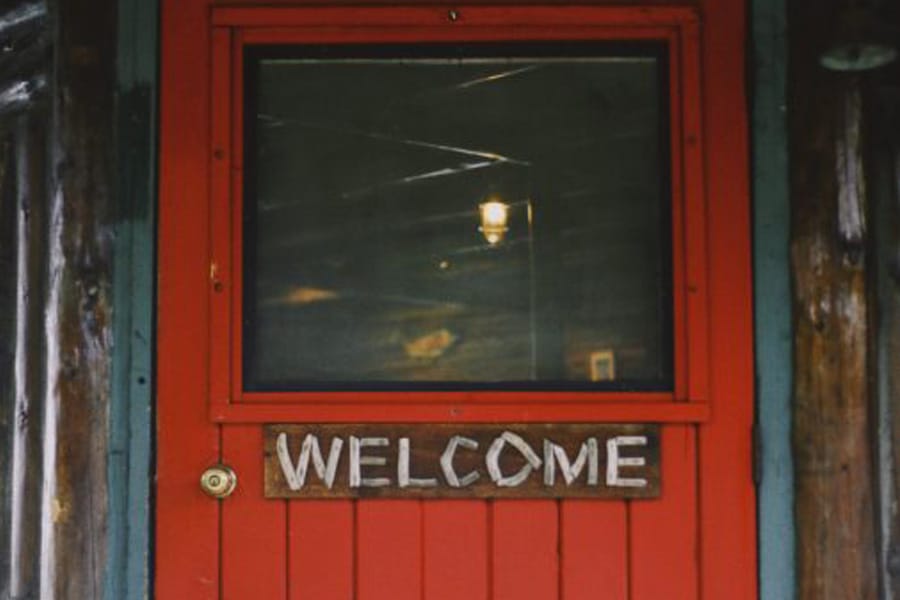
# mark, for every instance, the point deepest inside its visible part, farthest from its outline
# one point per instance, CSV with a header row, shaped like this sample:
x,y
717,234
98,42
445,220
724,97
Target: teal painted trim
x,y
130,461
772,296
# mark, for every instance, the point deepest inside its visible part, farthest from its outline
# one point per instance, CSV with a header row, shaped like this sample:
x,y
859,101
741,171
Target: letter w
x,y
296,475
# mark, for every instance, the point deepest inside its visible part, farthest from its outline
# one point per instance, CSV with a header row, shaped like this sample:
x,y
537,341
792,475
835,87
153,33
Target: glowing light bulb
x,y
494,219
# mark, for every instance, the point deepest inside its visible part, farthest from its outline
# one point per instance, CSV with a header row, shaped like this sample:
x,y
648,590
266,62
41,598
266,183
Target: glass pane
x,y
449,217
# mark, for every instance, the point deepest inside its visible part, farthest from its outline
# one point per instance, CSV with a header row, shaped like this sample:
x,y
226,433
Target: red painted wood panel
x,y
450,3
461,412
727,494
320,549
254,540
388,18
593,550
187,522
525,549
455,547
664,550
389,550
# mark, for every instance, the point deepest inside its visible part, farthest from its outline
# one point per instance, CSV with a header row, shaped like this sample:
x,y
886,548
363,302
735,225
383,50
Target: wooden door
x,y
696,540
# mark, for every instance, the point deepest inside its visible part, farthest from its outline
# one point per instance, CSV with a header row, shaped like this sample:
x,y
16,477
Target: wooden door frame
x,y
676,27
188,441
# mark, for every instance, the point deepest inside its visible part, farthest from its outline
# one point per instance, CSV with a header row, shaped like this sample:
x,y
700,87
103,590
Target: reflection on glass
x,y
494,220
458,219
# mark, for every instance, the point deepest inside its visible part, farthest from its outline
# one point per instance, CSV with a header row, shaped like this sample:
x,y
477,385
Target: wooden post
x,y
7,346
884,173
26,443
832,444
74,502
890,344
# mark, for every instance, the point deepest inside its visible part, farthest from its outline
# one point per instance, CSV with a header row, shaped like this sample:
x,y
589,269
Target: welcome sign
x,y
462,461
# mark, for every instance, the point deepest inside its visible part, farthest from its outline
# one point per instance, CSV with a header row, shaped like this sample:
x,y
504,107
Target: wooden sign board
x,y
462,461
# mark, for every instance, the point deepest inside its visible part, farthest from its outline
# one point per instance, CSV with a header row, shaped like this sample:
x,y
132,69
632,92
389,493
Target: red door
x,y
323,260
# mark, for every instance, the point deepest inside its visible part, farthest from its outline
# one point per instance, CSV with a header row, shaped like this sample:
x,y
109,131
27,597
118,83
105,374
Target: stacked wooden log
x,y
56,143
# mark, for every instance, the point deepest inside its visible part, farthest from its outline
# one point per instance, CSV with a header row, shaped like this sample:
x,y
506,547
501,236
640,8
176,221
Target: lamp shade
x,y
859,42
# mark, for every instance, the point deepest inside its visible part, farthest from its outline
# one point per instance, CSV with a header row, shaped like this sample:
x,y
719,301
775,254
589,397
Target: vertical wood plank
x,y
254,533
320,549
8,326
525,550
830,249
79,308
128,571
388,550
726,491
187,522
27,411
772,301
455,549
664,553
593,550
888,219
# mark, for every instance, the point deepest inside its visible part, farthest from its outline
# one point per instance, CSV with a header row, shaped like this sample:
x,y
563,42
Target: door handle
x,y
218,481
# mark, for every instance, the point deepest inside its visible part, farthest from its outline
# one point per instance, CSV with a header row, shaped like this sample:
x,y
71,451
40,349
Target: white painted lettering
x,y
587,454
447,462
492,460
295,475
613,461
357,461
403,477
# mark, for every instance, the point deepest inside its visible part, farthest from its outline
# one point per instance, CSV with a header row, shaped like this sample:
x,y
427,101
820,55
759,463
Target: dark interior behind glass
x,y
457,216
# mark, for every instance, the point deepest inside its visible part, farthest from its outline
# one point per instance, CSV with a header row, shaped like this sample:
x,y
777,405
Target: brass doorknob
x,y
218,481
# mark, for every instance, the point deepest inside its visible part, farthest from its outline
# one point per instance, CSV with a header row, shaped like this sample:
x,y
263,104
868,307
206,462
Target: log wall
x,y
57,83
842,420
58,224
24,71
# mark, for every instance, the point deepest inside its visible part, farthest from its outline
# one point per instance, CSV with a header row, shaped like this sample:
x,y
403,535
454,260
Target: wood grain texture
x,y
27,450
298,459
834,505
8,294
79,307
891,339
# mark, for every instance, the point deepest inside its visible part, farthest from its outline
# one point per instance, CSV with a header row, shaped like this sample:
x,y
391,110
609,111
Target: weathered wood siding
x,y
24,70
56,108
79,310
838,427
7,344
56,149
884,167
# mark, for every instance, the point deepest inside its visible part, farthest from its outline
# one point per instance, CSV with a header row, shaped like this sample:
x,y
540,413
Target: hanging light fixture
x,y
494,220
860,42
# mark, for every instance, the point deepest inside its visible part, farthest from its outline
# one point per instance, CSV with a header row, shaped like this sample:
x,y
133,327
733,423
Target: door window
x,y
456,216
